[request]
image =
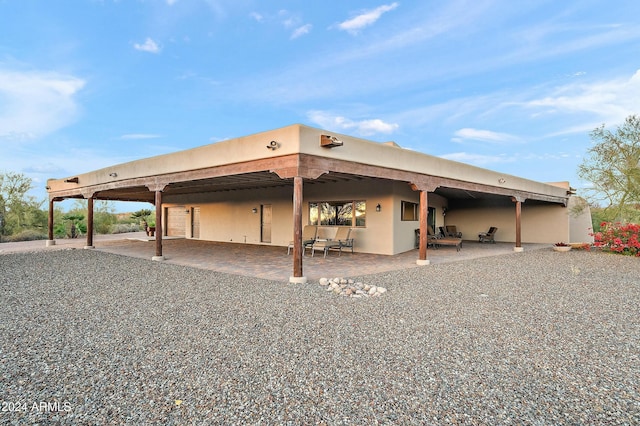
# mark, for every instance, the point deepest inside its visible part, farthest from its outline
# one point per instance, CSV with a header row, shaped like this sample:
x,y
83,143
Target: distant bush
x,y
25,235
618,238
121,228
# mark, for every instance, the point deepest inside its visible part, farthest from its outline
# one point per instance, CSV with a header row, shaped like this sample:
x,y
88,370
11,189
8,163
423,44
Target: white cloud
x,y
478,159
140,136
365,19
483,135
287,18
604,101
148,46
362,127
47,168
300,31
33,104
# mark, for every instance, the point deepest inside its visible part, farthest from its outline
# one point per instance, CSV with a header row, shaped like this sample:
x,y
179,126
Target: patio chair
x,y
452,231
441,232
442,239
432,238
309,235
341,239
489,236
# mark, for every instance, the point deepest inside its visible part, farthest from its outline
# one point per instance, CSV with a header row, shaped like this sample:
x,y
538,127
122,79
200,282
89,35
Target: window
x,y
410,211
338,213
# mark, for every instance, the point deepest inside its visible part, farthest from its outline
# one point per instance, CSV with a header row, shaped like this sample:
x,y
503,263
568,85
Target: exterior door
x,y
195,222
265,223
431,219
176,221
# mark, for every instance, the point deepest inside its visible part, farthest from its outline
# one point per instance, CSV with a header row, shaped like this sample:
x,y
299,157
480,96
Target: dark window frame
x,y
409,211
335,213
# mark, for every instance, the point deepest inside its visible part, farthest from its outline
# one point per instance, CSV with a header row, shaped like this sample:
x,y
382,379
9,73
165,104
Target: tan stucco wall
x,y
377,235
580,225
547,223
404,231
540,224
228,216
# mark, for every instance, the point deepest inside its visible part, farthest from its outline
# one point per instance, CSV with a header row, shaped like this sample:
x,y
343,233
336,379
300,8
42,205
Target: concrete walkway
x,y
265,261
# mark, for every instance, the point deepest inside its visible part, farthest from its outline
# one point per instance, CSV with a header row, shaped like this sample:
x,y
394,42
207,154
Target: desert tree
x,y
612,165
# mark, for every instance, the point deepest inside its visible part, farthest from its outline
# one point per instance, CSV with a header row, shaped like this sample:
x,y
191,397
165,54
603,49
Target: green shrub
x,y
120,228
26,235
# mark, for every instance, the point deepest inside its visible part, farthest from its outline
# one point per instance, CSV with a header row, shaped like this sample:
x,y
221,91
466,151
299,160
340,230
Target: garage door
x,y
176,221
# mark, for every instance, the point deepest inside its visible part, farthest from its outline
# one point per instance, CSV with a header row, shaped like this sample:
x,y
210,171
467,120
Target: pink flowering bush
x,y
618,238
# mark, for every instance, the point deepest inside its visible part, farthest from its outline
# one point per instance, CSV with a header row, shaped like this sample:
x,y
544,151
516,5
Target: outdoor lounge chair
x,y
442,232
309,235
452,231
489,236
341,239
442,239
432,238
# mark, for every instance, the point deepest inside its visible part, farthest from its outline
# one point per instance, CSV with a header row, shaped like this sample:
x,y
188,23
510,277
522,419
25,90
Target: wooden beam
x,y
518,223
50,221
158,255
90,222
424,212
298,249
350,167
261,165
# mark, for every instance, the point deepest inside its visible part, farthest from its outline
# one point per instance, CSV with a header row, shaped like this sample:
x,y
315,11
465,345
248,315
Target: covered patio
x,y
298,157
273,263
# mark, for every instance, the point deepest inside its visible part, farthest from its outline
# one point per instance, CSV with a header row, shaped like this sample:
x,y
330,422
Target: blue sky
x,y
510,86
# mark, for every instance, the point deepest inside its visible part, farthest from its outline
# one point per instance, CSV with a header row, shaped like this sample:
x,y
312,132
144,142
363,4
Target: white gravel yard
x,y
534,338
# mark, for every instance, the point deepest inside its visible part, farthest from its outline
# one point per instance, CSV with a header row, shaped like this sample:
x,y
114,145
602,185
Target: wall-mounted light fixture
x,y
327,141
113,174
187,211
254,210
501,180
273,145
47,187
444,211
378,208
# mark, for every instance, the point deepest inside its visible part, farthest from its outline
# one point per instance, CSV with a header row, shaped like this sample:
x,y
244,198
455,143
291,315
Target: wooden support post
x,y
50,241
518,202
518,224
298,249
424,187
158,198
424,213
89,223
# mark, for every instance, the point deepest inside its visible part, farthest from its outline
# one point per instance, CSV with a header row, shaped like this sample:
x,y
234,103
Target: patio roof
x,y
279,172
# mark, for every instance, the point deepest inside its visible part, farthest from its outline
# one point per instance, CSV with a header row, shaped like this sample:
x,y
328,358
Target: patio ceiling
x,y
265,179
239,182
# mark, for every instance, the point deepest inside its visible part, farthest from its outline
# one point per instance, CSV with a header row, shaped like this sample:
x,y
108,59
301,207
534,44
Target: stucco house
x,y
263,188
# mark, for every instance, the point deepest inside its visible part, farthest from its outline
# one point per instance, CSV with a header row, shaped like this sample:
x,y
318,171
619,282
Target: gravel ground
x,y
532,338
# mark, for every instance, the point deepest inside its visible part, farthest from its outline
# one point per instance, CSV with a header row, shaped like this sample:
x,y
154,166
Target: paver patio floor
x,y
273,263
269,262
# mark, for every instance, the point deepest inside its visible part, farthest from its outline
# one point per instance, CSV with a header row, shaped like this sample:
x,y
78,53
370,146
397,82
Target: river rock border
x,y
350,288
